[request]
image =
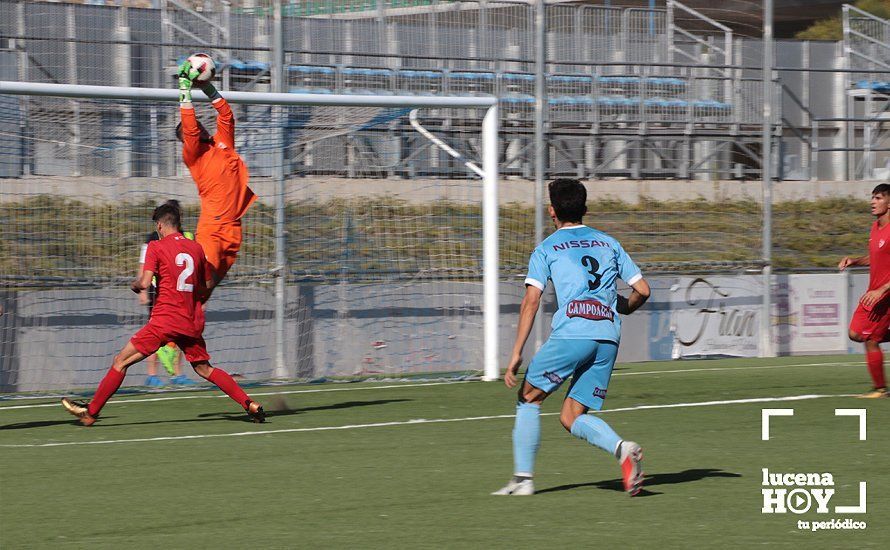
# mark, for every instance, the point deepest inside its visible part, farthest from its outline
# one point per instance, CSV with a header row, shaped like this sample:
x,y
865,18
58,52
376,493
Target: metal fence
x,y
639,80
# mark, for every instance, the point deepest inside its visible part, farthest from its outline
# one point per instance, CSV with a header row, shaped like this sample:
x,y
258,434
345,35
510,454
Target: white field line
x,y
707,369
420,421
124,400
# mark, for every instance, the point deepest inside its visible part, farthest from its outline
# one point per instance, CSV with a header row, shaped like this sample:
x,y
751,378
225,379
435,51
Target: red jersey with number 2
x,y
181,271
879,256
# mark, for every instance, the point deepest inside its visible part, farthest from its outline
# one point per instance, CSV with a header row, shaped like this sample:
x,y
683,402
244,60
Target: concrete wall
x,y
417,191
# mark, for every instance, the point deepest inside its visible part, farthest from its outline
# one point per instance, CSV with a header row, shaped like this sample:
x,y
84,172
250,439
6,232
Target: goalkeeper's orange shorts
x,y
221,244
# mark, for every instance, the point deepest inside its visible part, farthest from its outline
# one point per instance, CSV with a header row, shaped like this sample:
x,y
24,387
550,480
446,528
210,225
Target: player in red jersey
x,y
182,273
218,171
871,320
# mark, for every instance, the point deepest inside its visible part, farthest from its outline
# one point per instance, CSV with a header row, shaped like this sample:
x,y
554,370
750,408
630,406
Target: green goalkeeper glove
x,y
187,71
185,90
186,77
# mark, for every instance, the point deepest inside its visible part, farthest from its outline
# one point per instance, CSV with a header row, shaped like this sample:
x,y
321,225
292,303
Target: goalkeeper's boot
x,y
80,409
154,382
255,412
182,380
630,458
877,393
517,487
167,355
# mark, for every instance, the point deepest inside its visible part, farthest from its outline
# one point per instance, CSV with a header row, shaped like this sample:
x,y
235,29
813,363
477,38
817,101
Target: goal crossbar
x,y
83,91
488,172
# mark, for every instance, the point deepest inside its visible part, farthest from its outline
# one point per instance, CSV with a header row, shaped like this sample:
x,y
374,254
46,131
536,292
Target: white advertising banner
x,y
809,313
717,315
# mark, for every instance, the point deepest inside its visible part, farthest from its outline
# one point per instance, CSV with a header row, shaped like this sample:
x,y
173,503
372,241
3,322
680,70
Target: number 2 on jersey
x,y
183,259
592,267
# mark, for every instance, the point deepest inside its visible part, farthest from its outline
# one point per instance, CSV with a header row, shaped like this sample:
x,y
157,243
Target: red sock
x,y
875,362
107,387
227,384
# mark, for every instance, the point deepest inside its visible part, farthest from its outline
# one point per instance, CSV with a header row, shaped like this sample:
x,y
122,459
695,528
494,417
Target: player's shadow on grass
x,y
238,416
280,409
44,423
686,476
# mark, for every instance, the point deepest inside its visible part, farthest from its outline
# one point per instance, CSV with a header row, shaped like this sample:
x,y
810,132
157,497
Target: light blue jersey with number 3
x,y
584,265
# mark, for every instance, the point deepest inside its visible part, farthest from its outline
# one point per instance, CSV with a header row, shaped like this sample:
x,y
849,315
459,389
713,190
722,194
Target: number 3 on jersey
x,y
592,267
183,259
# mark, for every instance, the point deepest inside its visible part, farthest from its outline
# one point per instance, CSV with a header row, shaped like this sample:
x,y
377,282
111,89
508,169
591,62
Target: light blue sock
x,y
526,438
595,431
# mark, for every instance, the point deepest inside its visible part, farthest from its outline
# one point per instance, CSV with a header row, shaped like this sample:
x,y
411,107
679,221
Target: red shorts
x,y
221,244
154,335
872,325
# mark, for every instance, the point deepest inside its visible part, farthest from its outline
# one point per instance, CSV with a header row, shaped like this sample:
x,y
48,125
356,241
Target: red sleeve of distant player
x,y
191,137
879,256
225,123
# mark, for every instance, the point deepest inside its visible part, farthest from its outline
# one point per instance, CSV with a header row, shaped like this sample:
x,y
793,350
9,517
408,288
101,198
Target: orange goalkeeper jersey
x,y
217,169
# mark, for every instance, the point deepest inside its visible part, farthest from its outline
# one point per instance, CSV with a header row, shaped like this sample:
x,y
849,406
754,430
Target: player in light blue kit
x,y
584,265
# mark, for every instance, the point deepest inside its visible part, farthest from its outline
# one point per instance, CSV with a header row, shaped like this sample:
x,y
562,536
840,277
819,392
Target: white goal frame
x,y
488,173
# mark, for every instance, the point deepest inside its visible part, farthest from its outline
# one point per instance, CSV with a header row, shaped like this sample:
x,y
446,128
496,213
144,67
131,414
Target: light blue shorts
x,y
588,362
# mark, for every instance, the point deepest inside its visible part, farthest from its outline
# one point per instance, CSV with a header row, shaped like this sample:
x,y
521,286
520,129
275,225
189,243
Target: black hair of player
x,y
168,214
175,203
881,189
568,197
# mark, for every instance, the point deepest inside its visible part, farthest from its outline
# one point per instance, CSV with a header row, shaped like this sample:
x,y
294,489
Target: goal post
x,y
398,104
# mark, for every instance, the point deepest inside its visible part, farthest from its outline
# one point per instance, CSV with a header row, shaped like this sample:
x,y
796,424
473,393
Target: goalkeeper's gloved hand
x,y
187,71
187,75
209,90
185,90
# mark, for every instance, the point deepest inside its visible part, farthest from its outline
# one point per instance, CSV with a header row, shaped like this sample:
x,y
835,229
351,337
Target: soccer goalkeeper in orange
x,y
218,171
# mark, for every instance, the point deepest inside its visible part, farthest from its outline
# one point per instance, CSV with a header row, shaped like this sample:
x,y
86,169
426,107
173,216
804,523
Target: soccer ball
x,y
205,65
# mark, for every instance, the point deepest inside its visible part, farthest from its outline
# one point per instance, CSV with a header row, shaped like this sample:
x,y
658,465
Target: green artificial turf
x,y
425,485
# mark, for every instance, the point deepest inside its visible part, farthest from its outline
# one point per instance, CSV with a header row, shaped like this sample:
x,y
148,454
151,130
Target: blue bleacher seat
x,y
674,103
367,91
311,91
366,72
517,99
614,102
240,65
518,76
310,69
580,79
578,100
472,76
413,73
711,104
618,80
666,81
877,86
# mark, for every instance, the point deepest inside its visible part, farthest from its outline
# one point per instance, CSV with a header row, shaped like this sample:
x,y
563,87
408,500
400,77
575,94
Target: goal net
x,y
365,255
